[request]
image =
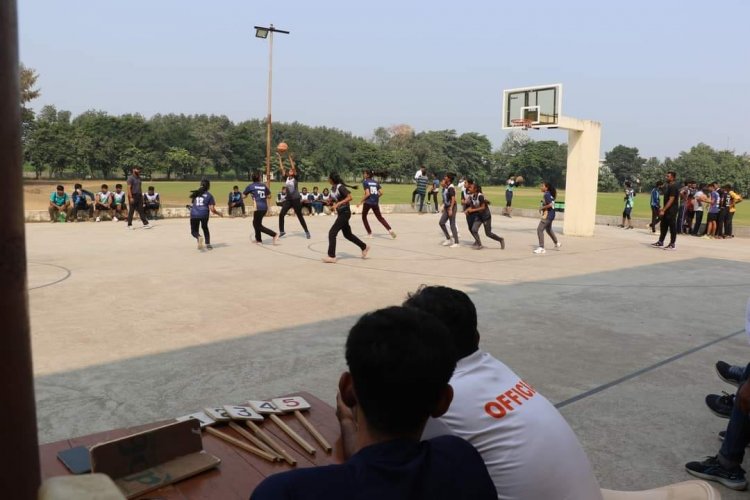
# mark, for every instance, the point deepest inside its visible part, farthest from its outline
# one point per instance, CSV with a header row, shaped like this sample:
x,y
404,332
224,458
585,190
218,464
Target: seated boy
x,y
59,202
236,200
103,202
306,199
317,201
120,205
529,449
80,203
399,360
151,202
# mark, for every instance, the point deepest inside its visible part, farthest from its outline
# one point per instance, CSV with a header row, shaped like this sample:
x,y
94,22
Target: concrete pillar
x,y
582,176
19,460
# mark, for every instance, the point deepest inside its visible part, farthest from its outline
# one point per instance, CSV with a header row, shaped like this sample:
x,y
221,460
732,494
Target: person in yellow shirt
x,y
734,199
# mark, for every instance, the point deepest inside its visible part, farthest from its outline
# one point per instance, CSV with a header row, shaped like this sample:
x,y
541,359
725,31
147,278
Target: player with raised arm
x,y
203,203
341,197
480,210
371,199
293,199
260,194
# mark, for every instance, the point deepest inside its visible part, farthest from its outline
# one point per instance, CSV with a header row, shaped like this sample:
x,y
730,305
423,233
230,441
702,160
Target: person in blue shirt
x,y
547,210
260,194
371,199
80,203
399,360
655,204
59,203
433,194
203,203
236,200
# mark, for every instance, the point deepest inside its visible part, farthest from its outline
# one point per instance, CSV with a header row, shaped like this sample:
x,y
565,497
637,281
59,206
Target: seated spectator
x,y
529,449
103,202
59,203
236,200
317,201
399,363
327,201
151,203
80,203
281,196
306,199
119,203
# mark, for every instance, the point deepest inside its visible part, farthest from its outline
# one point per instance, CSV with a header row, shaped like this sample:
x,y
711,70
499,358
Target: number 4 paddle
x,y
268,408
296,404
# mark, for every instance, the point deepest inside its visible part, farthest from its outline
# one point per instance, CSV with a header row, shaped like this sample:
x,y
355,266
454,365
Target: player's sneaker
x,y
148,226
275,240
130,227
502,243
329,260
365,252
307,235
558,245
711,470
369,236
720,405
446,243
540,250
454,245
209,247
728,373
98,219
392,233
200,242
115,219
476,247
657,244
670,248
282,234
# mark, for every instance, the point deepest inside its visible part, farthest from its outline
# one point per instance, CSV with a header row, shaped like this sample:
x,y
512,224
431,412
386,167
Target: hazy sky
x,y
357,65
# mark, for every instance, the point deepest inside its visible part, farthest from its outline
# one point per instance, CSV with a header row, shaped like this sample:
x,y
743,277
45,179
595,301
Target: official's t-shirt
x,y
372,187
260,194
199,210
529,449
449,194
58,200
670,191
444,468
135,184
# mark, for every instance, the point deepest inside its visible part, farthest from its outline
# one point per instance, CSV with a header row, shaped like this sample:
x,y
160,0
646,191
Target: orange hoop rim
x,y
524,123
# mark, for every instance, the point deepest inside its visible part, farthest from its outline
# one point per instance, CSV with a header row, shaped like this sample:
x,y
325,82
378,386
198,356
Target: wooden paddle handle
x,y
240,444
270,442
313,431
257,442
290,432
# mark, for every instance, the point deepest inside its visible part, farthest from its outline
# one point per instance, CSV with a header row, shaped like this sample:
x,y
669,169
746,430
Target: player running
x,y
371,199
203,202
480,209
260,194
341,196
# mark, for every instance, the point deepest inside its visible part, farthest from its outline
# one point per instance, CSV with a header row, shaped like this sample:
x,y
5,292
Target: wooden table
x,y
239,472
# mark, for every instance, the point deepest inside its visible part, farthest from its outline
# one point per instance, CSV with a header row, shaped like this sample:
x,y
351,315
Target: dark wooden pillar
x,y
19,459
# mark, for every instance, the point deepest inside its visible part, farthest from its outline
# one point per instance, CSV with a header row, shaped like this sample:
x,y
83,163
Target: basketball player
x,y
203,202
260,194
449,211
481,216
371,199
341,196
547,210
293,199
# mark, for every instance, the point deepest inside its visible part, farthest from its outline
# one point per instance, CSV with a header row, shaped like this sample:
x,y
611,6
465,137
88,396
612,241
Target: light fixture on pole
x,y
263,32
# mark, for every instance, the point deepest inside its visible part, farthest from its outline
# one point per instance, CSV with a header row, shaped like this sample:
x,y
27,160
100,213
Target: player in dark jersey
x,y
449,211
293,198
203,203
341,196
371,199
260,194
480,210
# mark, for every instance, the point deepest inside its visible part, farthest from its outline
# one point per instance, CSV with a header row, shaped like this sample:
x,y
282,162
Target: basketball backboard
x,y
535,107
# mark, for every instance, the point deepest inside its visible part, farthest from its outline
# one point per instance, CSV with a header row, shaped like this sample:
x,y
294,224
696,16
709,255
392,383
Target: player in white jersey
x,y
103,201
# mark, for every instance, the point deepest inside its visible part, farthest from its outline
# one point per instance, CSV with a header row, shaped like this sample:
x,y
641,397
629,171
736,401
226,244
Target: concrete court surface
x,y
135,326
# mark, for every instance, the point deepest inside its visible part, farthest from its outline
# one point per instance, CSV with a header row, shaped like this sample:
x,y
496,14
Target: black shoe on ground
x,y
669,247
711,470
725,373
657,244
721,406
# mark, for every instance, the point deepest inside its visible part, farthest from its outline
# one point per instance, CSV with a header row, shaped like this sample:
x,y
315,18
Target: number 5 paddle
x,y
296,404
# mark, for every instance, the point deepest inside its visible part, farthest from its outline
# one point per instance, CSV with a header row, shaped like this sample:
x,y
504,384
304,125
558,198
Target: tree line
x,y
96,144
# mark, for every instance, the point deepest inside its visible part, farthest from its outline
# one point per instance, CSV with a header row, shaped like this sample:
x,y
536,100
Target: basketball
x,y
519,180
282,147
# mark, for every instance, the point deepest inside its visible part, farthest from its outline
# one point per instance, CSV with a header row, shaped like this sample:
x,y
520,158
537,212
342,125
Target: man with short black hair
x,y
59,203
236,200
135,199
151,202
668,213
400,360
80,203
529,449
655,204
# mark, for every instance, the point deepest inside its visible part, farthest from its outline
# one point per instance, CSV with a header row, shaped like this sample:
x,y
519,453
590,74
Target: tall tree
x,y
625,163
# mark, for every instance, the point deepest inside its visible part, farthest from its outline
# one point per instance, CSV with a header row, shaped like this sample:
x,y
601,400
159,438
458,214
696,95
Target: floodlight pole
x,y
263,32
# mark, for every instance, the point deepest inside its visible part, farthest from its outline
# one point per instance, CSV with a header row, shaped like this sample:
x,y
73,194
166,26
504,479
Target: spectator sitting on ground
x,y
400,361
306,199
327,201
281,196
151,202
236,200
529,449
120,205
80,203
59,203
317,201
103,202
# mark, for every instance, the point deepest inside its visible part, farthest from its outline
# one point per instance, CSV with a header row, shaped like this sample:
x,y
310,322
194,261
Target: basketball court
x,y
136,326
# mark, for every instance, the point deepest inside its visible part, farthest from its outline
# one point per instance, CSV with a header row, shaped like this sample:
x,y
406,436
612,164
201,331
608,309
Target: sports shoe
x,y
502,243
728,373
670,248
721,406
392,233
476,247
307,235
200,242
282,234
540,250
148,226
130,227
329,260
657,244
620,225
629,227
365,252
447,242
558,245
711,470
276,239
209,247
115,219
454,245
98,219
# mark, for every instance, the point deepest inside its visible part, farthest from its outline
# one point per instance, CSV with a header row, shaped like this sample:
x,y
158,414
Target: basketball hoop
x,y
523,123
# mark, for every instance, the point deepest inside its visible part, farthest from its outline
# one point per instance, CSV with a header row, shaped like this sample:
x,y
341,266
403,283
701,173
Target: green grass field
x,y
175,193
